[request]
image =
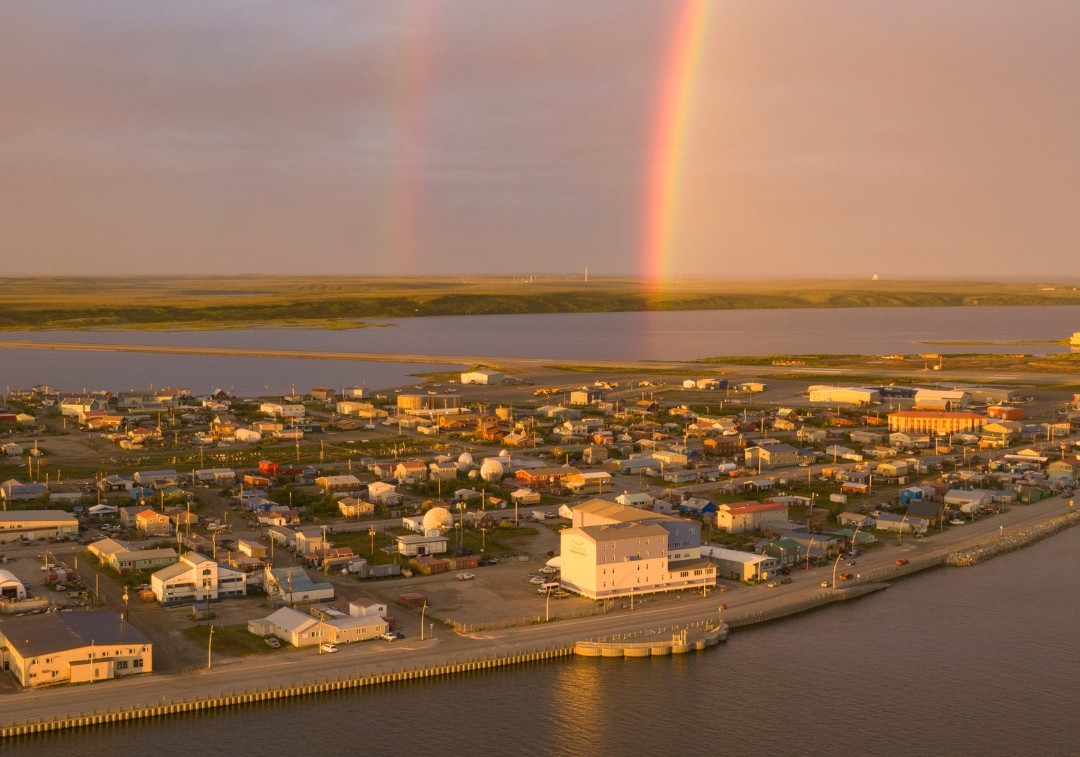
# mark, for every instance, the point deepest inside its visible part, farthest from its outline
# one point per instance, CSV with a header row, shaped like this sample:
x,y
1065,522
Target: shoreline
x,y
230,685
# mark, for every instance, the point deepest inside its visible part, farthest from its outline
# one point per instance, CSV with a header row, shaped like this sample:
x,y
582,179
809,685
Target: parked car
x,y
272,641
785,580
902,561
327,648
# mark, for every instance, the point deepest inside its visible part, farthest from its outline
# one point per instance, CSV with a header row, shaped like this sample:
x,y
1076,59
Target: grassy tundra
x,y
344,302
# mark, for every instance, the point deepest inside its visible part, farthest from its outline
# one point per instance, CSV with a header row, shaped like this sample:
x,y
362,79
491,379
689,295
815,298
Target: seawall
x,y
1013,541
103,716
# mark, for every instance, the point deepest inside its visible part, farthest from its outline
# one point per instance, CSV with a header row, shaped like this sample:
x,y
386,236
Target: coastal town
x,y
146,534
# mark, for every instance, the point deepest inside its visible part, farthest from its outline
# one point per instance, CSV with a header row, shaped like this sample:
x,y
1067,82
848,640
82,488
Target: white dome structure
x,y
438,519
491,470
504,453
464,462
473,475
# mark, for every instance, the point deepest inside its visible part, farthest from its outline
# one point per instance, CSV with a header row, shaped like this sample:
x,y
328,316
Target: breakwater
x,y
1013,541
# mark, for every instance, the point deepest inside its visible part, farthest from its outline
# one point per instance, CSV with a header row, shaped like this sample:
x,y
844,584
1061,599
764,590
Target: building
x,y
11,588
13,490
771,456
197,578
334,484
844,395
35,525
293,585
351,507
123,558
941,422
72,647
152,523
736,565
481,376
332,626
414,546
739,517
617,551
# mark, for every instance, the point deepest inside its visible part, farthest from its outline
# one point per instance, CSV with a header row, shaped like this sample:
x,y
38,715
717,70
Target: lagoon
x,y
577,337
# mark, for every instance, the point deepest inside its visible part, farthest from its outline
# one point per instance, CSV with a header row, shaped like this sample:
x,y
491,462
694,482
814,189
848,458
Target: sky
x,y
660,139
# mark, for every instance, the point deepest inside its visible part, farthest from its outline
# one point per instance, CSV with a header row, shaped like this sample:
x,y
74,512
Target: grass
x,y
231,641
81,303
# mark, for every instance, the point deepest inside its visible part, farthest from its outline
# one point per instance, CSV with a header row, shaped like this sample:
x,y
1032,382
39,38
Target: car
x,y
902,561
536,580
772,584
849,562
824,584
786,580
389,636
327,648
272,641
845,576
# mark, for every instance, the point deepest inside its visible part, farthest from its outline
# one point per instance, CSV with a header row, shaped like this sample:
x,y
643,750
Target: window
x,y
137,662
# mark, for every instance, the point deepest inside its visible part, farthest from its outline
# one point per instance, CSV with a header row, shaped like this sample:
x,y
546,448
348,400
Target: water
x,y
559,336
973,661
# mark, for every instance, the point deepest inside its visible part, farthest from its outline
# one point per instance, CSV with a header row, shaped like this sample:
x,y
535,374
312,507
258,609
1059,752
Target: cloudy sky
x,y
826,138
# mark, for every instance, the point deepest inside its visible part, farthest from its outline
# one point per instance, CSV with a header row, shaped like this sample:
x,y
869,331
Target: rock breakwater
x,y
1013,541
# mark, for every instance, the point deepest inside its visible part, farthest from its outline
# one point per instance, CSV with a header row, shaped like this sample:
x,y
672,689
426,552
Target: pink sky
x,y
915,138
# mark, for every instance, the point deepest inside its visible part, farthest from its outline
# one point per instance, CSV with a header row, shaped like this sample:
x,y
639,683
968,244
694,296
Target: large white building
x,y
25,525
72,647
197,578
617,551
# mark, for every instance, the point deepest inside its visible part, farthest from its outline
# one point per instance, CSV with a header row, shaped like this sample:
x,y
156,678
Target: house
x,y
932,512
739,517
548,475
899,524
124,558
293,585
382,493
301,629
280,410
778,455
72,647
589,482
697,506
411,472
351,507
525,497
635,499
736,565
16,491
414,546
156,479
445,470
196,578
334,484
152,523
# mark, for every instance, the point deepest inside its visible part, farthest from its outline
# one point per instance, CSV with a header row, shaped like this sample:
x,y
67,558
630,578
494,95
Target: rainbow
x,y
667,156
407,208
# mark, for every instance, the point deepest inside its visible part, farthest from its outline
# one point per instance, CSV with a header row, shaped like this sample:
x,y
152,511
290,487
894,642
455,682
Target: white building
x,y
196,578
481,376
616,551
